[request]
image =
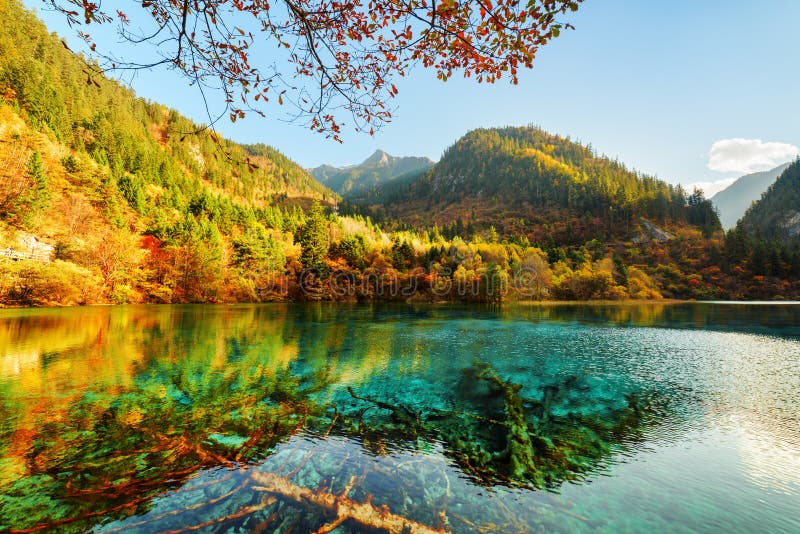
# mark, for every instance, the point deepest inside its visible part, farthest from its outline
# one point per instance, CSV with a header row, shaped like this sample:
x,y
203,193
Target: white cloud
x,y
748,155
710,188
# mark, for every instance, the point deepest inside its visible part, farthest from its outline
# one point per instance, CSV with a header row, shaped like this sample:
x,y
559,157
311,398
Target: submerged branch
x,y
400,414
519,449
342,507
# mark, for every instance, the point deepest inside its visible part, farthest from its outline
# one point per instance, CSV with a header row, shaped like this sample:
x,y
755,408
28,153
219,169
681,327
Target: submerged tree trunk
x,y
343,508
519,451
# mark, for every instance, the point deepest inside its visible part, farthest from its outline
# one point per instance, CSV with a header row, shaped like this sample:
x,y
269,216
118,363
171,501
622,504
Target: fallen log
x,y
342,507
400,414
519,450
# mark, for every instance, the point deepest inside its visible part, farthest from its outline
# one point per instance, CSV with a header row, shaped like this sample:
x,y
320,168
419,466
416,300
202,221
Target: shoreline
x,y
441,303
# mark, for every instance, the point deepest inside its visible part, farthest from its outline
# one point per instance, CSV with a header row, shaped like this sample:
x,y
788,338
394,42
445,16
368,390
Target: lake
x,y
339,418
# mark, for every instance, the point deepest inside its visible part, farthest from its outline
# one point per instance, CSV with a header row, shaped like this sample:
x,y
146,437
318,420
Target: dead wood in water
x,y
341,507
400,414
519,449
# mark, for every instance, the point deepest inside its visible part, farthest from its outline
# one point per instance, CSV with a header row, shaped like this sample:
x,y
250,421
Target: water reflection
x,y
296,418
780,319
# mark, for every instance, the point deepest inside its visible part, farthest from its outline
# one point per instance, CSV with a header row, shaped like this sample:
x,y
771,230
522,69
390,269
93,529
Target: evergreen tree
x,y
402,253
313,238
255,249
353,249
702,213
37,197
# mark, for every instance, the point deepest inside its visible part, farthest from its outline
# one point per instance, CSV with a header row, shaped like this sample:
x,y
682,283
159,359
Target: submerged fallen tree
x,y
519,451
499,434
498,426
341,507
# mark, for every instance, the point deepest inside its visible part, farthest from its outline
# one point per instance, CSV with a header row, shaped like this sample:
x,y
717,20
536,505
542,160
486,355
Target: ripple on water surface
x,y
466,419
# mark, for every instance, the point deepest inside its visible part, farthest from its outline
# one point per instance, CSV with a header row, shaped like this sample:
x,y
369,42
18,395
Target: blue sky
x,y
655,84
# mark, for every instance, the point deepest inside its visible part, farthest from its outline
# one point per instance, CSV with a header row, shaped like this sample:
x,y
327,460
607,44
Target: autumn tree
x,y
335,59
198,264
23,187
116,256
14,182
533,274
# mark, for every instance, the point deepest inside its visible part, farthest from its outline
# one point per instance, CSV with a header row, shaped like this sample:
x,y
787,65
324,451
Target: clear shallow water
x,y
680,417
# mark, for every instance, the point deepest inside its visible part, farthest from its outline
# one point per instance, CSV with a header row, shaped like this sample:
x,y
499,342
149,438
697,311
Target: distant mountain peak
x,y
378,158
380,167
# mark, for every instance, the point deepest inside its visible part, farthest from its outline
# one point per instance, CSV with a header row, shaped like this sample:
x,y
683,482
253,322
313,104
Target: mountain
x,y
56,93
135,201
109,198
733,201
776,216
377,169
525,181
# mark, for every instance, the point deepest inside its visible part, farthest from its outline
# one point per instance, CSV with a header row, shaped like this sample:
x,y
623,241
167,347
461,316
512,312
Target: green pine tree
x,y
313,238
37,198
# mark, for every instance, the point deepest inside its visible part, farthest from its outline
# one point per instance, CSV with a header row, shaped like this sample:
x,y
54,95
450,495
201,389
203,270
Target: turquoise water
x,y
293,418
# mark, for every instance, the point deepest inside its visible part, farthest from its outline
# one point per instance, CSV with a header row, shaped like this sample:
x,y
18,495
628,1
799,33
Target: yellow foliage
x,y
641,286
605,265
31,283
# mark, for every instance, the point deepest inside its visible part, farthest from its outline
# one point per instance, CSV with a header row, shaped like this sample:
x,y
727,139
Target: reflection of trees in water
x,y
194,390
741,317
110,454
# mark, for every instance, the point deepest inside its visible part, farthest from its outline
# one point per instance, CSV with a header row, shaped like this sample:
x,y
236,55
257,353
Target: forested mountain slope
x,y
109,181
776,216
733,201
107,198
377,169
526,181
56,94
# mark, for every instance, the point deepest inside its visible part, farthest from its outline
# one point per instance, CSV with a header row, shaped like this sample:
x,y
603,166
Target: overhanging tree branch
x,y
346,52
